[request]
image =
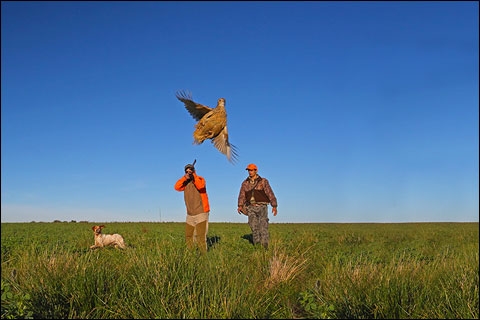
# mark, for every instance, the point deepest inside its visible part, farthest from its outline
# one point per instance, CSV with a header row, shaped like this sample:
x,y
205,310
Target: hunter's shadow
x,y
248,237
212,241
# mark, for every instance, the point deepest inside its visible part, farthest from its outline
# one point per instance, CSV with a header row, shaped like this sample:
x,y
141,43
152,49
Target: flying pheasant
x,y
212,124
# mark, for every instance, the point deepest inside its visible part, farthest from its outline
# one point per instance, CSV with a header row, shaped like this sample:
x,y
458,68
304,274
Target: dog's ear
x,y
93,228
102,226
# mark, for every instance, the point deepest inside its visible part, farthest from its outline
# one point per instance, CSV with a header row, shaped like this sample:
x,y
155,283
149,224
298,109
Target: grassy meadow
x,y
318,270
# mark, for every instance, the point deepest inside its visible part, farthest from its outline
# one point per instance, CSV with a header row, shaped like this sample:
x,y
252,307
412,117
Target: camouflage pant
x,y
258,222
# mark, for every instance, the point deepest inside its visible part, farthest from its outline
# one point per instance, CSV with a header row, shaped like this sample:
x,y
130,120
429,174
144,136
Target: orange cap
x,y
251,166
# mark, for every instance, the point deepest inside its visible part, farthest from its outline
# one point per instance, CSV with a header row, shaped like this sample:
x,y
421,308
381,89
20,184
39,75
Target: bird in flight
x,y
212,124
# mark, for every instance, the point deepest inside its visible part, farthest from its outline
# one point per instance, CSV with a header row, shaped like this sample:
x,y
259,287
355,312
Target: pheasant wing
x,y
224,146
196,110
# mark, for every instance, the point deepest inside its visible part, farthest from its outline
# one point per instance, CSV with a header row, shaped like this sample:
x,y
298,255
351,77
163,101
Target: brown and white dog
x,y
103,240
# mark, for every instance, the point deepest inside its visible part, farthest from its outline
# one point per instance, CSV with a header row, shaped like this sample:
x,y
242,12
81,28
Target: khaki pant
x,y
196,229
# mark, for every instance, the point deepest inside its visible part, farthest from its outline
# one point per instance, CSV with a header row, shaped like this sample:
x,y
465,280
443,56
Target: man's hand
x,y
274,211
240,210
189,174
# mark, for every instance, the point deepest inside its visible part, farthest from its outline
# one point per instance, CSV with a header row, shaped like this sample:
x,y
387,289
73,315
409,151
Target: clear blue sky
x,y
355,112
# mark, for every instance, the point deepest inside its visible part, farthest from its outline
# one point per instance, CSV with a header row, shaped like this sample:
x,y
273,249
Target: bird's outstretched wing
x,y
224,146
196,110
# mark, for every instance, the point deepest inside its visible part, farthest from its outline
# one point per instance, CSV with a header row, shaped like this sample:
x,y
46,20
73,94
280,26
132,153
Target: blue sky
x,y
355,112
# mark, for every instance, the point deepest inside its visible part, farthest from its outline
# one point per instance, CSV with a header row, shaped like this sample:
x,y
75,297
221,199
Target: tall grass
x,y
405,271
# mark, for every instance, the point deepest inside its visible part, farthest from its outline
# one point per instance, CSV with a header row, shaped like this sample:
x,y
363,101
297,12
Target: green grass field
x,y
321,270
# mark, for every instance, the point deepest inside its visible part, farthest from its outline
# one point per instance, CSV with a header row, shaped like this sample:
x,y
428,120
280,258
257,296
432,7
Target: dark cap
x,y
189,166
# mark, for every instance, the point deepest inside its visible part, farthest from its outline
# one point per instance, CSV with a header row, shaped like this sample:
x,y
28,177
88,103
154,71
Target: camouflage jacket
x,y
261,190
